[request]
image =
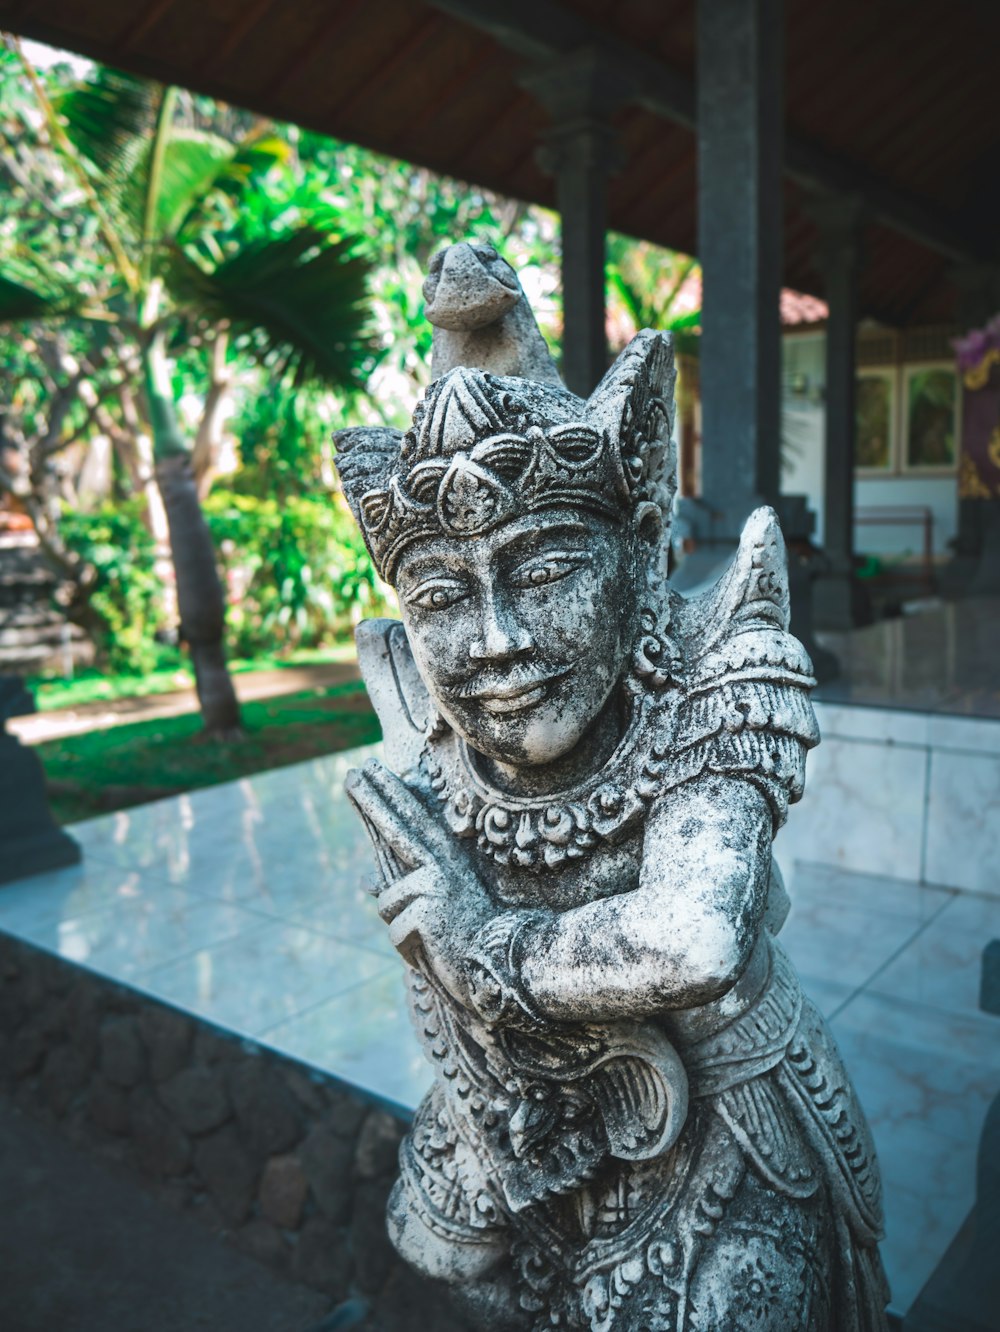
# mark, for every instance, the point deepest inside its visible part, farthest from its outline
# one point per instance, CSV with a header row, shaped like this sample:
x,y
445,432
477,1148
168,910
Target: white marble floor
x,y
242,904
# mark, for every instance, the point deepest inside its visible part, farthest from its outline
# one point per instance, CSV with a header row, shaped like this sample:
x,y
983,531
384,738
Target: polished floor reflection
x,y
243,904
943,657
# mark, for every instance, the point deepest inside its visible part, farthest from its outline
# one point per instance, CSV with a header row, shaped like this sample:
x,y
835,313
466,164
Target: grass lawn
x,y
127,765
171,673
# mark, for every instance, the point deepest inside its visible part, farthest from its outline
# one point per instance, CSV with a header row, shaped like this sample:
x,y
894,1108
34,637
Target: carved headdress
x,y
484,449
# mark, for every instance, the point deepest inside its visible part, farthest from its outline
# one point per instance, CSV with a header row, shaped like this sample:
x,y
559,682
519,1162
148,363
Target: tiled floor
x,y
243,904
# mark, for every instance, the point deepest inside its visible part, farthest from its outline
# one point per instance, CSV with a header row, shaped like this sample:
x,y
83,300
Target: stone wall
x,y
288,1164
908,795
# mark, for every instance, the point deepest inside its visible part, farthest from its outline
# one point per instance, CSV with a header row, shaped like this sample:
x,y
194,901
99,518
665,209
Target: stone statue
x,y
638,1122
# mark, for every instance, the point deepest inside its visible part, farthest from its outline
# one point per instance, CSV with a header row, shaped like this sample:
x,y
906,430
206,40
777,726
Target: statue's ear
x,y
364,461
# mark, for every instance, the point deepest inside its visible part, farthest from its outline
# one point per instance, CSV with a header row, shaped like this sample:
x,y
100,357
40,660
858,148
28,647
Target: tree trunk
x,y
200,599
135,450
208,440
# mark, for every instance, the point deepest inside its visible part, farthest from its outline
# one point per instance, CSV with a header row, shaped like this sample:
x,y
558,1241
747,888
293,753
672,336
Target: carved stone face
x,y
522,634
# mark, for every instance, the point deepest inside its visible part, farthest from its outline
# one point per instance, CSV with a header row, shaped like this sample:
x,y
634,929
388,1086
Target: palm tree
x,y
168,199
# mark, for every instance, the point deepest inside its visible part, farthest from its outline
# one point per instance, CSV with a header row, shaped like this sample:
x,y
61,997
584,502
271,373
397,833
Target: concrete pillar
x,y
838,602
580,151
740,146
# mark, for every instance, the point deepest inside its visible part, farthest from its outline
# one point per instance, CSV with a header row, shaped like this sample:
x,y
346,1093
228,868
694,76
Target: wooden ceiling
x,y
891,100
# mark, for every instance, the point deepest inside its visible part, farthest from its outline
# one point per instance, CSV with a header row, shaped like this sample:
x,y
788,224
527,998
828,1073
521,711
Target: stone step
x,y
51,635
28,616
15,583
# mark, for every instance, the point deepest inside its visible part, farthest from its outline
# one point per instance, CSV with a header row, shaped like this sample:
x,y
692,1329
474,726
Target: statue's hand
x,y
430,895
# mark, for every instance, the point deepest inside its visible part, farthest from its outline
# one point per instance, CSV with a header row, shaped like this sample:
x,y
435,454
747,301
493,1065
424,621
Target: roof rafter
x,y
539,30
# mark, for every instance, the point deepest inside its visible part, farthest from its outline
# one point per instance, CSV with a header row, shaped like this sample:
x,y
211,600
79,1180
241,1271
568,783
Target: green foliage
x,y
127,596
297,570
303,259
104,116
27,295
297,302
646,282
96,684
118,766
285,442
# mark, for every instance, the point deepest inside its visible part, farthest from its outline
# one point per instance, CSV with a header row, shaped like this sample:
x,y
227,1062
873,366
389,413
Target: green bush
x,y
126,603
297,571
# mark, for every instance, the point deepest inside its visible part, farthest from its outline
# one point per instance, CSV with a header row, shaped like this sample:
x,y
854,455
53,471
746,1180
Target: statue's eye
x,y
438,594
547,569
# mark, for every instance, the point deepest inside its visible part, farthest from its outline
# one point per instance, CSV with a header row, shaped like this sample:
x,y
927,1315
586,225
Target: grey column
x,y
837,598
579,150
740,207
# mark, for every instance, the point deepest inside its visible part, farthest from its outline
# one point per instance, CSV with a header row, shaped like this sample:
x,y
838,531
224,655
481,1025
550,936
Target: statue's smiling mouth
x,y
513,694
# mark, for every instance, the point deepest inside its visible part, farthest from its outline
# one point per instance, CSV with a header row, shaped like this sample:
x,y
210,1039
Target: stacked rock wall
x,y
290,1165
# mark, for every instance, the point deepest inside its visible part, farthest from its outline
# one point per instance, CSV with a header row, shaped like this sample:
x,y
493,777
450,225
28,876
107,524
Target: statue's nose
x,y
501,636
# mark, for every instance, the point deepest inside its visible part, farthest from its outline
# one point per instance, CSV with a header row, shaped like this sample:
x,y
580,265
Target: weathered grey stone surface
x,y
168,1037
228,1173
108,1106
265,1110
123,1058
638,1121
196,1098
283,1192
481,317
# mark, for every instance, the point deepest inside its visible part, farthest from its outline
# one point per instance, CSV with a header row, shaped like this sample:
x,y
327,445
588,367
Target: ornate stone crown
x,y
484,449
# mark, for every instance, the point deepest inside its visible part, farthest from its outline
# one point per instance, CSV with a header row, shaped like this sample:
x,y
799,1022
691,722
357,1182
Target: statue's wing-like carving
x,y
751,594
746,708
398,694
642,1097
821,1094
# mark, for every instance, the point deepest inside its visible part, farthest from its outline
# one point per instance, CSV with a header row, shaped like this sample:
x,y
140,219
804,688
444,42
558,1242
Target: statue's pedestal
x,y
32,841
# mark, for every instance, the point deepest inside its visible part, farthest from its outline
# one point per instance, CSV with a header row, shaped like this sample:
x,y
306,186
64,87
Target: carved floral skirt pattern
x,y
763,1216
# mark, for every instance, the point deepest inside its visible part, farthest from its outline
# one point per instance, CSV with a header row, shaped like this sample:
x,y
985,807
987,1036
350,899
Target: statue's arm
x,y
681,938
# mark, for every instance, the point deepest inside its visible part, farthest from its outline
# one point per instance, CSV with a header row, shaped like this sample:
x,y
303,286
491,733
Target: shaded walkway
x,y
84,1249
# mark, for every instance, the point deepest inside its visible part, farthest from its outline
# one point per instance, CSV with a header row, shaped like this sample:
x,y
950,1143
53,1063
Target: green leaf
x,y
192,162
254,156
40,300
627,295
106,116
299,301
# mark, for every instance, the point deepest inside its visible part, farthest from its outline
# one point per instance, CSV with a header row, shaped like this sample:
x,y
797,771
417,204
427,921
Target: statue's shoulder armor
x,y
744,707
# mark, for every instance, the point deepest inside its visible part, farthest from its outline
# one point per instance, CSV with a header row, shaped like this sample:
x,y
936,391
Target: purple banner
x,y
979,460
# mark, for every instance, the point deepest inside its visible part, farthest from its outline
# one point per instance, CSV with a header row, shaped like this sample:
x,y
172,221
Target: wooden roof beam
x,y
540,30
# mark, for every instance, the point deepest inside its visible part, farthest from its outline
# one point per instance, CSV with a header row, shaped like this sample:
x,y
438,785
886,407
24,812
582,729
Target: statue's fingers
x,y
398,896
405,929
382,816
424,828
